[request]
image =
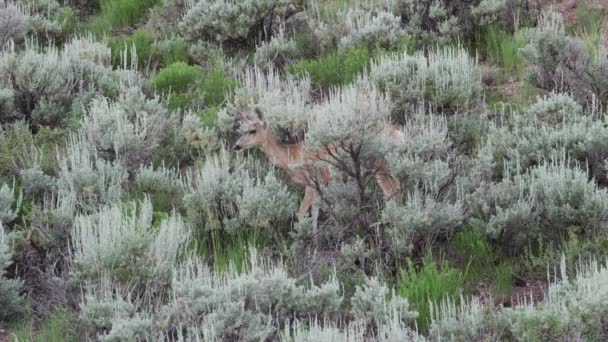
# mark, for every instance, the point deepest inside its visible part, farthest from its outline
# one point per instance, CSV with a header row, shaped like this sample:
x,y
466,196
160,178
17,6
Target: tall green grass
x,y
149,55
61,326
589,29
431,282
503,49
116,14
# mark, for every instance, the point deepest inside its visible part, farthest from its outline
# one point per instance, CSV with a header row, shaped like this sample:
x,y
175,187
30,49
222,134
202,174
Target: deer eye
x,y
252,131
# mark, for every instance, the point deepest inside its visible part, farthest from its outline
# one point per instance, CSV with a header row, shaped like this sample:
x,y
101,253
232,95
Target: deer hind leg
x,y
390,186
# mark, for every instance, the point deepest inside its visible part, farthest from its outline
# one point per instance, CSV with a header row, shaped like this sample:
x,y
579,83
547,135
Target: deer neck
x,y
280,155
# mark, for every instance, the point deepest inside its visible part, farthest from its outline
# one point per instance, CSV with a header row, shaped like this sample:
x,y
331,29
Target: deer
x,y
296,160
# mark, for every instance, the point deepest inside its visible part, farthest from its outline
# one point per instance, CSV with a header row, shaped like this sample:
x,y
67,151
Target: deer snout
x,y
237,147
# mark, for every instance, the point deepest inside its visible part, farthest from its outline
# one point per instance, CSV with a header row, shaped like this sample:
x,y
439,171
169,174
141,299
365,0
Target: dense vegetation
x,y
126,215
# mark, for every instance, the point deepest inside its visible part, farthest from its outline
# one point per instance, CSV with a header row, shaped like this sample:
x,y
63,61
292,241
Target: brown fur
x,y
296,161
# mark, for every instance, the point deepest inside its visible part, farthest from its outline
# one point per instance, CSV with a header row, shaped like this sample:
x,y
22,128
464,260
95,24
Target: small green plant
x,y
431,282
502,280
333,69
476,253
119,13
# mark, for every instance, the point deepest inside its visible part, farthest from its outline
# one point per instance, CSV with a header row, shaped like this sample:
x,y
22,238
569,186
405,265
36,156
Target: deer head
x,y
256,131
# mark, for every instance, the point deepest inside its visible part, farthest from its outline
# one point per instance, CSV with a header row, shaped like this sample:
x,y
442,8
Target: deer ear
x,y
261,116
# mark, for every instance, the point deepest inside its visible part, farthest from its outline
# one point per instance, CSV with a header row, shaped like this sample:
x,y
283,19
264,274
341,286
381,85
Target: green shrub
x,y
431,283
187,83
335,68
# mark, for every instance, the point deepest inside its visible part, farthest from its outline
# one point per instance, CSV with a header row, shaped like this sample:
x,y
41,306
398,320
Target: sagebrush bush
x,y
224,195
550,201
444,21
552,125
446,78
371,303
128,131
372,29
15,141
277,52
12,303
48,85
419,221
252,305
46,19
227,20
13,22
561,63
87,180
572,309
10,203
124,245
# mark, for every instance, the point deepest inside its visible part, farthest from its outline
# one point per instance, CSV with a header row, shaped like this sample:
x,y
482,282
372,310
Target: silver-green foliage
x,y
127,247
13,22
90,181
550,201
128,131
446,78
223,194
420,220
8,208
444,21
47,85
249,306
371,28
10,300
552,125
226,20
370,303
573,309
277,52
